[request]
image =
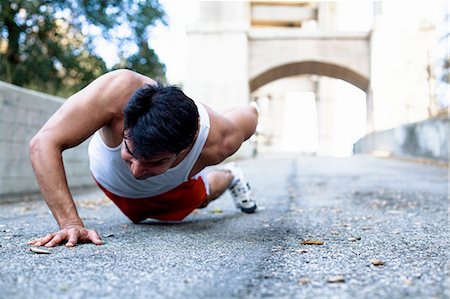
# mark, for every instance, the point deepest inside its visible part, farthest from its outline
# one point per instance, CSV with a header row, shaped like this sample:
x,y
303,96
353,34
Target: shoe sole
x,y
249,210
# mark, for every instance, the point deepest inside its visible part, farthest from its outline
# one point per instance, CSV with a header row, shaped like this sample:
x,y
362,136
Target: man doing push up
x,y
149,148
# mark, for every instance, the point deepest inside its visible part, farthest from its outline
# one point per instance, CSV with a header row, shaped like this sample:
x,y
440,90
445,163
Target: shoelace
x,y
240,191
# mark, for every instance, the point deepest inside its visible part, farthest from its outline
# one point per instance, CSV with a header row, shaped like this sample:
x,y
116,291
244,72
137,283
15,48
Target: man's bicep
x,y
237,138
70,125
243,122
77,119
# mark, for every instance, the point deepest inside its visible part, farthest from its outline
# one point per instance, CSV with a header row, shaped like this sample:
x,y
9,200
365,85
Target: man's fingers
x,y
95,238
73,235
35,241
44,240
58,238
73,239
97,242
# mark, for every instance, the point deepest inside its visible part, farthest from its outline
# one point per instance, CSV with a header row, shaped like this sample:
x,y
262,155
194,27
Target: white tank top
x,y
113,173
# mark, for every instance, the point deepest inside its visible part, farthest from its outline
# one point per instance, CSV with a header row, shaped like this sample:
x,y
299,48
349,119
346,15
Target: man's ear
x,y
125,133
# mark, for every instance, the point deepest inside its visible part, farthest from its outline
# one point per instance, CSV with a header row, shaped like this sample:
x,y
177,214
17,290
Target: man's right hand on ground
x,y
73,234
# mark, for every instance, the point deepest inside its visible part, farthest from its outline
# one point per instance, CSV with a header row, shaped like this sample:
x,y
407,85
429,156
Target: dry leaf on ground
x,y
217,211
336,279
377,262
354,239
40,250
312,242
304,280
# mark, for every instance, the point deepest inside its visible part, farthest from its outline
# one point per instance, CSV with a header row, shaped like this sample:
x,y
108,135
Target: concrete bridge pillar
x,y
369,110
325,101
218,54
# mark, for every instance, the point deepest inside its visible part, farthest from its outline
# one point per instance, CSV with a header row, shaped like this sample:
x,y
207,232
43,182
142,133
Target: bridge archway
x,y
310,68
326,134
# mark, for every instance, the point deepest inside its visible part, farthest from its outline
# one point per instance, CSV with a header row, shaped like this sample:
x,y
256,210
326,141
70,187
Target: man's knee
x,y
219,181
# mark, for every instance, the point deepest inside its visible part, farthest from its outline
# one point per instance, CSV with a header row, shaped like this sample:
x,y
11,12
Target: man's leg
x,y
232,178
244,120
218,182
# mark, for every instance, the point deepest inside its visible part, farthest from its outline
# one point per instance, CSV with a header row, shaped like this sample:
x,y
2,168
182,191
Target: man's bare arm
x,y
228,131
98,105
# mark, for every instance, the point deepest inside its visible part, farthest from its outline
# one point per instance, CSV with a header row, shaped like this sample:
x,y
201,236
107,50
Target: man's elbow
x,y
252,121
34,147
38,145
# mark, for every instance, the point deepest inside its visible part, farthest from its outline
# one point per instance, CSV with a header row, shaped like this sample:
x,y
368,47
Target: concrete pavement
x,y
361,208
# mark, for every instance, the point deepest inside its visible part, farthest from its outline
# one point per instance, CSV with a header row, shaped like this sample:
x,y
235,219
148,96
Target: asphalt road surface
x,y
383,223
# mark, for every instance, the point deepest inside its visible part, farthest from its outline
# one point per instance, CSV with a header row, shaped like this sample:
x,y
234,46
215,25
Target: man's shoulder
x,y
112,90
124,80
215,150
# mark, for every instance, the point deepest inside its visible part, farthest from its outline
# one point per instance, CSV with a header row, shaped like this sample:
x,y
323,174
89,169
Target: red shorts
x,y
173,205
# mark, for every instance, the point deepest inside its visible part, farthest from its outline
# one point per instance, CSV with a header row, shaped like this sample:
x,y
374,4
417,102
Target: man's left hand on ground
x,y
73,234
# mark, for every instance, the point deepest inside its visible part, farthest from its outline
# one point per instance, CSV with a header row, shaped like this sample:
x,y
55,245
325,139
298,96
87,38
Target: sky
x,y
169,42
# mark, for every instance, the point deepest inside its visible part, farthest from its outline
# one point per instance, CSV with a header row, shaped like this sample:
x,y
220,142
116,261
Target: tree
x,y
446,70
50,45
444,67
445,77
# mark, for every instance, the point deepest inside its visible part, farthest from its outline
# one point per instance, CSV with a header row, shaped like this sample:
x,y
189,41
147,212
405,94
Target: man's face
x,y
145,168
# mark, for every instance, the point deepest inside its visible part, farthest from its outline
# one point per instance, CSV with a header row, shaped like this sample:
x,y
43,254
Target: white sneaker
x,y
240,189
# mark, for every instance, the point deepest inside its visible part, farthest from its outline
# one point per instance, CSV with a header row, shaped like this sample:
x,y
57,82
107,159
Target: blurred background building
x,y
324,74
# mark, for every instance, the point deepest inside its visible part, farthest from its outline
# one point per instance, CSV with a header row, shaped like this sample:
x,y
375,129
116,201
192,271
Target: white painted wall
x,y
425,139
22,114
218,55
404,45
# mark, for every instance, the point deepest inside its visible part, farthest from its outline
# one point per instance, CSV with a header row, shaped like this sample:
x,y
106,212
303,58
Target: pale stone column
x,y
325,116
369,110
217,69
217,58
278,115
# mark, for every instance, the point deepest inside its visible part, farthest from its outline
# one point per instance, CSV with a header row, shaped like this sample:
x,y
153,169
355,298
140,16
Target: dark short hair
x,y
159,120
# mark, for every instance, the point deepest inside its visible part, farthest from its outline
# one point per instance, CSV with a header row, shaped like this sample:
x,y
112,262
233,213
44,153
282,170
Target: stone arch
x,y
310,68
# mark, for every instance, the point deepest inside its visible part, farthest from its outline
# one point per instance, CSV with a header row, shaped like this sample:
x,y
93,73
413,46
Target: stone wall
x,y
425,139
22,114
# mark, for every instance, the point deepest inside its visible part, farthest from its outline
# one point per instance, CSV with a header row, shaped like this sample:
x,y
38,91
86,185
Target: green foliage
x,y
446,70
49,45
445,77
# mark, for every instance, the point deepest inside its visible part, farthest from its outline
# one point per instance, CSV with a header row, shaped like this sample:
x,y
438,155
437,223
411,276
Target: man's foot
x,y
240,189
